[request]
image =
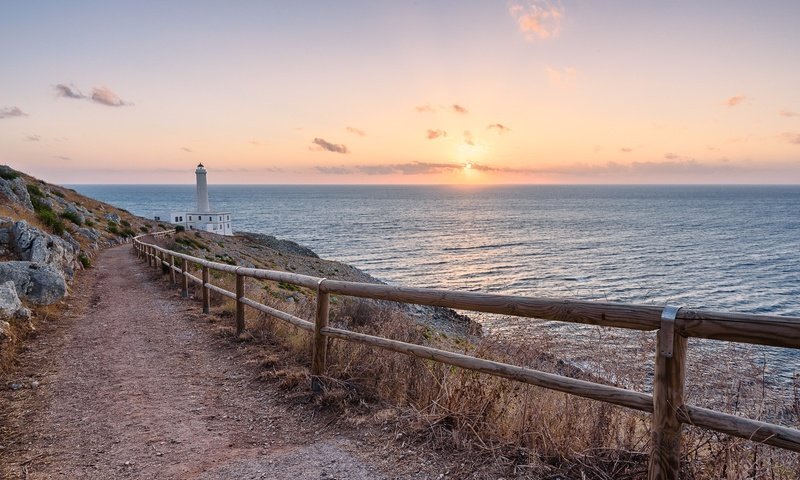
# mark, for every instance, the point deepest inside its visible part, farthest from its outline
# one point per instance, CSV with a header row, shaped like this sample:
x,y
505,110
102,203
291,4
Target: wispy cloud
x,y
322,144
356,131
63,157
186,149
499,127
626,150
789,113
537,19
469,139
411,168
735,100
455,108
68,91
432,134
10,112
32,138
790,137
562,77
102,95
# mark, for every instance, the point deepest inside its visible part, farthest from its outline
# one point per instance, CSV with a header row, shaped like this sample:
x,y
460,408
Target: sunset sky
x,y
401,92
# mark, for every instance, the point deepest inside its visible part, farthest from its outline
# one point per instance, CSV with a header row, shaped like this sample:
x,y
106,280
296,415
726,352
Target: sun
x,y
468,166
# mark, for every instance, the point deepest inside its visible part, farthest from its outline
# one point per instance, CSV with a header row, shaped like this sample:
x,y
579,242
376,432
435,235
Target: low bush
x,y
72,217
8,173
85,261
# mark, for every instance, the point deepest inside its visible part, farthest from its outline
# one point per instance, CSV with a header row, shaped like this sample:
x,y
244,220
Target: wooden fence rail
x,y
674,326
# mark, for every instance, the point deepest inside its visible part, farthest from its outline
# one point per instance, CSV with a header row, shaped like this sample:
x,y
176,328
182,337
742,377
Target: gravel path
x,y
132,384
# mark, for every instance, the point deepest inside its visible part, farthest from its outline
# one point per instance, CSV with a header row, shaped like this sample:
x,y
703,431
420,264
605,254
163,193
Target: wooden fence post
x,y
172,268
668,389
149,256
239,304
319,346
184,279
206,292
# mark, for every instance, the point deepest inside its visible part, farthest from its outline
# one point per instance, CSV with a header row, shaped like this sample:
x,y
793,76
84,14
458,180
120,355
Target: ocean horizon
x,y
731,248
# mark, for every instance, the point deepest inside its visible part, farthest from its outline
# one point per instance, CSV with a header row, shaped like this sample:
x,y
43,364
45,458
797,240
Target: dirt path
x,y
130,385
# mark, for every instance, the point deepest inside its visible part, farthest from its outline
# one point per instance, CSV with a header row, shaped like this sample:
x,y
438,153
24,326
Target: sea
x,y
726,248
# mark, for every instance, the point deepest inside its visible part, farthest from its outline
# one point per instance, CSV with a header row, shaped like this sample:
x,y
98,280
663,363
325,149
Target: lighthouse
x,y
202,218
202,188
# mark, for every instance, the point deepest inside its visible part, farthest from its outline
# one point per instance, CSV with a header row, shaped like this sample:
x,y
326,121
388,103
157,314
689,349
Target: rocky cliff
x,y
47,233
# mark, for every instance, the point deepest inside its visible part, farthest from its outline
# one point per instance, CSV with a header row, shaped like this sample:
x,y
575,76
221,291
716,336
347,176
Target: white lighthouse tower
x,y
202,218
202,189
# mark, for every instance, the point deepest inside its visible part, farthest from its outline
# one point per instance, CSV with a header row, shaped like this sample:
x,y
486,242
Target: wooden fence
x,y
674,326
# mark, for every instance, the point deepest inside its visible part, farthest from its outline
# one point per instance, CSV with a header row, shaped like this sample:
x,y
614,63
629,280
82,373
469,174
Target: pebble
x,y
15,386
34,384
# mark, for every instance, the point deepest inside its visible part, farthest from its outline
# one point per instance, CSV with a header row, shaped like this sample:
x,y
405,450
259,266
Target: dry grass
x,y
531,432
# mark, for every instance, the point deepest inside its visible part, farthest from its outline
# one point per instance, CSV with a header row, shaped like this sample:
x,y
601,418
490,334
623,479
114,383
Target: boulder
x,y
38,283
10,304
70,207
34,245
16,191
113,217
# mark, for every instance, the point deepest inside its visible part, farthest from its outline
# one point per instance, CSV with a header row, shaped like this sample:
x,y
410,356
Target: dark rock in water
x,y
285,246
38,283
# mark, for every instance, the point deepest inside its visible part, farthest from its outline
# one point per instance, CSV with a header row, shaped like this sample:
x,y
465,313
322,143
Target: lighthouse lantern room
x,y
202,218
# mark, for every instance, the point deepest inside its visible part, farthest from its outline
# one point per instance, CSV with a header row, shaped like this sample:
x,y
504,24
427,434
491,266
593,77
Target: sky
x,y
433,92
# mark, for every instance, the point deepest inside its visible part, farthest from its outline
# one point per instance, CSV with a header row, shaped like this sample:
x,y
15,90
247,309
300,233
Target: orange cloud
x,y
432,134
537,18
501,129
458,108
789,113
735,100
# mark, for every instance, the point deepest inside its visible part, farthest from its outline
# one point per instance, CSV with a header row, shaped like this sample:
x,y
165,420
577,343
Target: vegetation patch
x,y
72,217
85,261
8,173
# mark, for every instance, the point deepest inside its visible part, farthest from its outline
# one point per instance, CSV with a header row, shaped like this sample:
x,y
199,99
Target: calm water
x,y
731,248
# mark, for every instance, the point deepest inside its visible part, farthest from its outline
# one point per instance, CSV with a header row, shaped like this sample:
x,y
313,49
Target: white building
x,y
202,218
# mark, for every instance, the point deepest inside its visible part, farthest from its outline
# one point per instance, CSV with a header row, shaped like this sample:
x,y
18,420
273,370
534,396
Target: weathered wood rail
x,y
674,326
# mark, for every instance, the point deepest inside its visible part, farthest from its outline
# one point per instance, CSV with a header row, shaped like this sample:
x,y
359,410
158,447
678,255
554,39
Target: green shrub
x,y
72,217
89,222
125,223
58,194
34,191
112,228
180,228
50,219
8,173
85,261
127,232
144,229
